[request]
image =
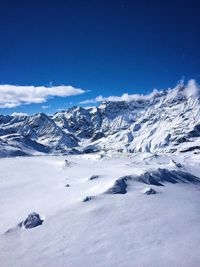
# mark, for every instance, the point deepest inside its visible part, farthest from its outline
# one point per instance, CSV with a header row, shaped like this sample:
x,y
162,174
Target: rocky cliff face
x,y
169,121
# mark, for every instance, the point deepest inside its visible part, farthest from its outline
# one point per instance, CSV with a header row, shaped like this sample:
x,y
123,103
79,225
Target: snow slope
x,y
111,228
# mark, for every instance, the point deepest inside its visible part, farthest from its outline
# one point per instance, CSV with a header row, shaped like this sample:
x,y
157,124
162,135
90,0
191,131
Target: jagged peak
x,y
166,120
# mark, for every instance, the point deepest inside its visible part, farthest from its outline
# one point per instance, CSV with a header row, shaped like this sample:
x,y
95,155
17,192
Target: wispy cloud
x,y
15,95
94,100
192,88
125,97
46,106
19,114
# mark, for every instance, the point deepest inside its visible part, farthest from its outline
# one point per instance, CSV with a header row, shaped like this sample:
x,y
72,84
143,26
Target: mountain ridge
x,y
167,121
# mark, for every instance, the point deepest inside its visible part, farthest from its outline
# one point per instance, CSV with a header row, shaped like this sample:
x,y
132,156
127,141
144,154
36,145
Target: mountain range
x,y
166,121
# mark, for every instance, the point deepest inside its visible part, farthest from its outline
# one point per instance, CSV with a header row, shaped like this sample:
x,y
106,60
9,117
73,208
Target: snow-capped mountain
x,y
167,121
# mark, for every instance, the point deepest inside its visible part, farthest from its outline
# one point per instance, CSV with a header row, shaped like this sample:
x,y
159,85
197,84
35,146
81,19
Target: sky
x,y
56,54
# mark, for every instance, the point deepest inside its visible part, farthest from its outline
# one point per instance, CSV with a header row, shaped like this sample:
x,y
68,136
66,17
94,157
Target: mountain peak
x,y
164,121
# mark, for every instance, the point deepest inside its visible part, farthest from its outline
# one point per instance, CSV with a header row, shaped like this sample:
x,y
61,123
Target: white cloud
x,y
19,114
192,88
94,100
89,107
124,97
15,95
46,106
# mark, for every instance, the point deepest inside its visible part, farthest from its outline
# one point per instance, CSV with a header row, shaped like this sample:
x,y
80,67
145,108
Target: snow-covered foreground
x,y
131,230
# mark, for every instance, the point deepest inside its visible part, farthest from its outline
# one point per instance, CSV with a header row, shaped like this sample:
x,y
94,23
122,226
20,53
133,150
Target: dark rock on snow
x,y
150,191
93,177
33,220
160,176
119,186
88,198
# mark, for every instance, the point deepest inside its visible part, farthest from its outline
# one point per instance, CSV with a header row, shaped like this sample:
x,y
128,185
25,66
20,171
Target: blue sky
x,y
103,47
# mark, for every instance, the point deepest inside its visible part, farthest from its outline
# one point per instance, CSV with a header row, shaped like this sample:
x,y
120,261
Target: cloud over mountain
x,y
192,88
125,97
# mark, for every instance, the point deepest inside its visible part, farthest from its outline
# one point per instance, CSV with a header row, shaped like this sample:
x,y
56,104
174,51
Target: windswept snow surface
x,y
132,229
